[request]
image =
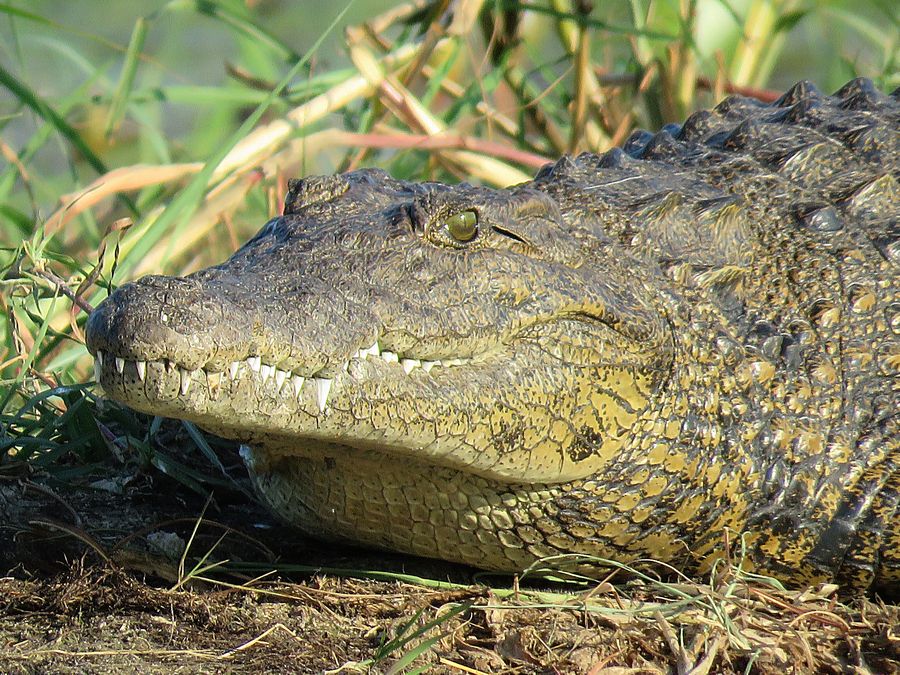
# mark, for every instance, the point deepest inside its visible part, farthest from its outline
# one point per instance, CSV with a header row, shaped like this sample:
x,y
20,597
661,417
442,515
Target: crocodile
x,y
660,352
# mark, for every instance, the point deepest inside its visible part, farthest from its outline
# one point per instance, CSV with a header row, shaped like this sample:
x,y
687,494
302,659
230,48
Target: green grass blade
x,y
402,640
6,8
587,21
126,80
242,24
38,342
19,220
30,99
410,656
176,216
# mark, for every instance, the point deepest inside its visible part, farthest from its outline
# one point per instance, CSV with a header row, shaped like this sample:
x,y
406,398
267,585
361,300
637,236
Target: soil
x,y
91,581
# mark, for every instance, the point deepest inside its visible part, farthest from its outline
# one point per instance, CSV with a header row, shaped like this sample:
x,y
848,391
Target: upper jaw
x,y
202,323
151,355
115,373
169,318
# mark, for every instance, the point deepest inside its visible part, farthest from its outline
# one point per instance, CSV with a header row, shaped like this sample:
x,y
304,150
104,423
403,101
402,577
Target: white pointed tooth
x,y
323,388
233,369
141,369
297,381
409,364
428,365
374,350
98,364
265,372
280,376
120,364
185,380
253,362
390,357
99,358
452,362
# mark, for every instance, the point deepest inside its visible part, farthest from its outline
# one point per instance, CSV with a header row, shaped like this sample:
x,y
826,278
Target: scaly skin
x,y
627,357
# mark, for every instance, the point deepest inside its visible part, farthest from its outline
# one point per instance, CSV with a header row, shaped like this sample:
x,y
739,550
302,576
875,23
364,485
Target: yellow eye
x,y
462,226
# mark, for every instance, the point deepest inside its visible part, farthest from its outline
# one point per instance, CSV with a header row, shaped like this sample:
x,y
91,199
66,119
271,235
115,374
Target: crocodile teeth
x,y
254,363
185,380
363,354
214,380
323,387
297,382
265,372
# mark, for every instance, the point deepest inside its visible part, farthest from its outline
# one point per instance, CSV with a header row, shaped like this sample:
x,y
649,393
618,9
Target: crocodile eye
x,y
462,226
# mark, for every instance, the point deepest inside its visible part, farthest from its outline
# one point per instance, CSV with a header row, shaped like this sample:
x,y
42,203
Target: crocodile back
x,y
780,225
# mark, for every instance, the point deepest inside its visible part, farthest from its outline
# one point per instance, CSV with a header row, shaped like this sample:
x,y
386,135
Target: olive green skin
x,y
644,354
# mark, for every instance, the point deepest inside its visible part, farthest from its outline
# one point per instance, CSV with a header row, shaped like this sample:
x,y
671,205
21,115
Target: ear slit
x,y
510,234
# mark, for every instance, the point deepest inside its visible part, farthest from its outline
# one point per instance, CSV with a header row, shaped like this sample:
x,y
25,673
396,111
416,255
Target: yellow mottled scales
x,y
641,354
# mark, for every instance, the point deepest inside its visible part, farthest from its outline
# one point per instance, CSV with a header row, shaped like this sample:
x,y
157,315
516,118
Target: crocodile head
x,y
449,324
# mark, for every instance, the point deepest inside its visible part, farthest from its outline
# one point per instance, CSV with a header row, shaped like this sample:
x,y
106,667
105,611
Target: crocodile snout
x,y
172,318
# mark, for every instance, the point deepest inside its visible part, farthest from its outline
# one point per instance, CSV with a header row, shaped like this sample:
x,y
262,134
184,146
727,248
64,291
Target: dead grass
x,y
102,619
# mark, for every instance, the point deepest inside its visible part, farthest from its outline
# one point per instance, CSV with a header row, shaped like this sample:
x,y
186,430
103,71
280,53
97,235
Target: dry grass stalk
x,y
125,179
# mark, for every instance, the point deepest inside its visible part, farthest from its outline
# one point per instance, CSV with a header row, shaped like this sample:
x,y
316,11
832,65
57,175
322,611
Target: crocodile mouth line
x,y
283,379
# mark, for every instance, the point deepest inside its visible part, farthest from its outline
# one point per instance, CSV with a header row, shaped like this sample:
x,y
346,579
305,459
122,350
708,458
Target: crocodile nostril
x,y
167,317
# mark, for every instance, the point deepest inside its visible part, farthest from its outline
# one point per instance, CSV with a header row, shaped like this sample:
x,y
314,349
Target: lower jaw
x,y
406,506
285,427
161,389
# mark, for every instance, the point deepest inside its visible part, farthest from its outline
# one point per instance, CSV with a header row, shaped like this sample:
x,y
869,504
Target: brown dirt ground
x,y
83,589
